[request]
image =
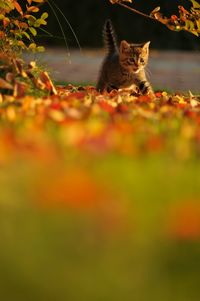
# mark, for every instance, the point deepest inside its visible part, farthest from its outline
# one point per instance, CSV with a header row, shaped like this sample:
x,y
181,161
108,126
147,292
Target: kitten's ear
x,y
124,46
146,46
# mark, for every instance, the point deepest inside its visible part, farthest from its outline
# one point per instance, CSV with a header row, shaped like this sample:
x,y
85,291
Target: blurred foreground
x,y
85,230
100,197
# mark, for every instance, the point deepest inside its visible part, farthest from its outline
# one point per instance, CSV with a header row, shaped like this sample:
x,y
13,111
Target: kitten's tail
x,y
109,37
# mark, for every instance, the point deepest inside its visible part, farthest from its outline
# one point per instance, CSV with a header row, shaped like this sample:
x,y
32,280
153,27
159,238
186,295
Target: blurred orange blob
x,y
76,190
73,188
184,220
21,145
155,143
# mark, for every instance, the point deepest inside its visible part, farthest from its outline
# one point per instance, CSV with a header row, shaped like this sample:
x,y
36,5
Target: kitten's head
x,y
133,57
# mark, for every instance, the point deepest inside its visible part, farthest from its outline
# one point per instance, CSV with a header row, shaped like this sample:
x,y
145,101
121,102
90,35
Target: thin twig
x,y
137,11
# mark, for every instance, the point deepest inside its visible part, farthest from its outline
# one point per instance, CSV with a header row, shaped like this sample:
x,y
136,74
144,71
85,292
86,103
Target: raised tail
x,y
109,37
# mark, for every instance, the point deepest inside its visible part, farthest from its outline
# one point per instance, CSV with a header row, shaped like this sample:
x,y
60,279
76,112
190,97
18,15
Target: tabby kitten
x,y
123,68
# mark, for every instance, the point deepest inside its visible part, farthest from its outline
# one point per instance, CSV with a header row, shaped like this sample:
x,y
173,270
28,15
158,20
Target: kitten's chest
x,y
118,75
128,80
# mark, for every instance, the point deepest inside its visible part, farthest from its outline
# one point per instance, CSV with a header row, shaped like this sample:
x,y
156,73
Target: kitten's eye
x,y
131,60
142,60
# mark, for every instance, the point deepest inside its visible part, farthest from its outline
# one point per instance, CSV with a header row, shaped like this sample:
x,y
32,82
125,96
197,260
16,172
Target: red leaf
x,y
78,95
33,9
56,106
106,107
144,98
18,7
6,21
158,94
174,18
122,108
183,10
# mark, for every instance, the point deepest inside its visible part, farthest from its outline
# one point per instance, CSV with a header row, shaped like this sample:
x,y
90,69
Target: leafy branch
x,y
187,20
18,25
18,29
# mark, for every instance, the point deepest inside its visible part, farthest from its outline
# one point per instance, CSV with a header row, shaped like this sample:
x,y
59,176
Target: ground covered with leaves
x,y
100,194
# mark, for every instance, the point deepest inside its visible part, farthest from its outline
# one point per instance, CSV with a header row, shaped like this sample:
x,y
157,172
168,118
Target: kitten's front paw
x,y
151,94
134,93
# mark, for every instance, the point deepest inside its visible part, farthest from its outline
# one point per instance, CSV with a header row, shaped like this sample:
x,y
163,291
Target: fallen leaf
x,y
5,85
45,79
20,89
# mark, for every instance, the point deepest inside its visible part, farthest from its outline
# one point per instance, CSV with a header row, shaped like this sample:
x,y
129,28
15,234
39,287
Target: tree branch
x,y
137,11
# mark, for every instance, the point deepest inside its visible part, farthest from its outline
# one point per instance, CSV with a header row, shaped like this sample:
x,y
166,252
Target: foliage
x,y
18,79
18,25
99,192
18,28
188,20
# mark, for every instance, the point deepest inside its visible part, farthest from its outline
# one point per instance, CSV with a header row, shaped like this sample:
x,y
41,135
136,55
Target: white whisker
x,y
148,72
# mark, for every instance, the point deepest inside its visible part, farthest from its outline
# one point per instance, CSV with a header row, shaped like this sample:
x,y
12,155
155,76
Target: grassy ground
x,y
100,197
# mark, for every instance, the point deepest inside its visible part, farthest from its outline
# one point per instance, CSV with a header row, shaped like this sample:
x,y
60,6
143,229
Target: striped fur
x,y
123,67
109,37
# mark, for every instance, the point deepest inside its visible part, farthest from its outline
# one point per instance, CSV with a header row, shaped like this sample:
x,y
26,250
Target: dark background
x,y
87,18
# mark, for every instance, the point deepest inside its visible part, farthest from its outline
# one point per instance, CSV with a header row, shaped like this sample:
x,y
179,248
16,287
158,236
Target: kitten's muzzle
x,y
135,67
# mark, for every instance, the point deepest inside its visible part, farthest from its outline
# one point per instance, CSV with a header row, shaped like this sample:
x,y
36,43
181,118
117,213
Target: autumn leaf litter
x,y
96,123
